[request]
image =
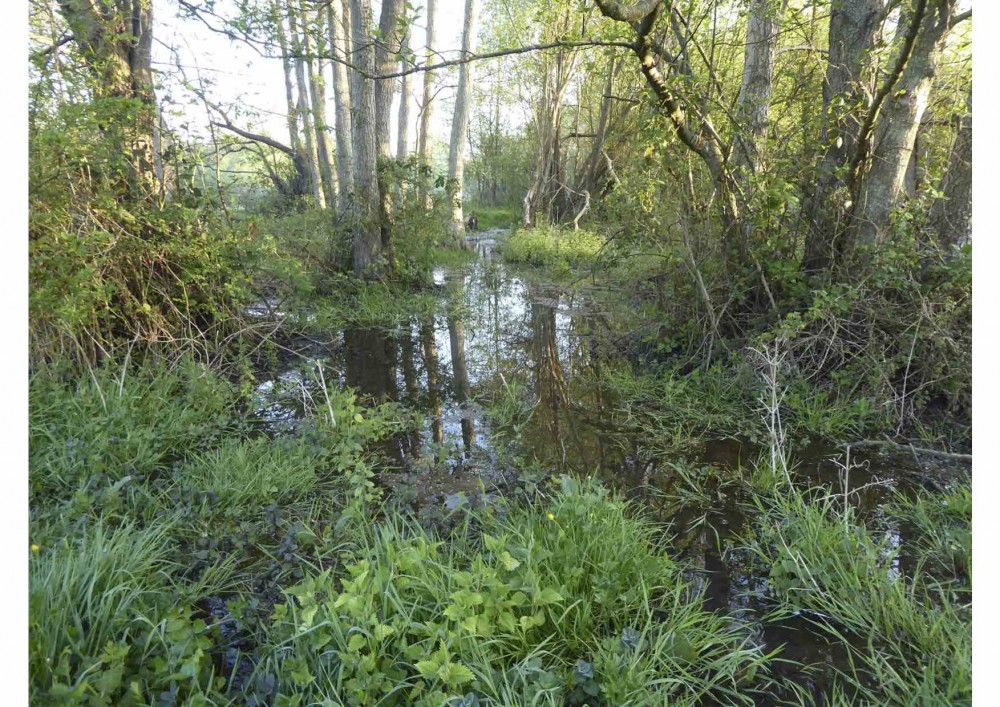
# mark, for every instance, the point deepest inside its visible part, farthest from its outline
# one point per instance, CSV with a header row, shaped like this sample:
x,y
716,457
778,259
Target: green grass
x,y
569,600
493,216
911,634
554,248
109,622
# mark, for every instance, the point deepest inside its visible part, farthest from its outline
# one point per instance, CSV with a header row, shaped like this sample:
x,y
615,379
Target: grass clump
x,y
569,600
554,248
909,635
108,623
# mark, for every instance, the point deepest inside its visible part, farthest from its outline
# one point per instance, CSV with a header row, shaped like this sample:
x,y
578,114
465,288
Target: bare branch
x,y
41,53
270,142
960,17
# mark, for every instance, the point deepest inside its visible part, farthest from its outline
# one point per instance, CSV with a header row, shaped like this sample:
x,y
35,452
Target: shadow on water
x,y
508,358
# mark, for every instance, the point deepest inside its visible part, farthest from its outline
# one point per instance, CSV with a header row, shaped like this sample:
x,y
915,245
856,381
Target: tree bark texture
x,y
302,106
460,123
317,92
951,216
341,104
427,105
367,242
855,27
115,39
879,189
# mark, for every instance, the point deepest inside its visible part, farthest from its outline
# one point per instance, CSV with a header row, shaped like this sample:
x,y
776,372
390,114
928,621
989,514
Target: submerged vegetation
x,y
661,395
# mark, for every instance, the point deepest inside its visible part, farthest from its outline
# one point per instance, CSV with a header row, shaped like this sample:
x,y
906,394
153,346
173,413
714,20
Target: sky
x,y
252,84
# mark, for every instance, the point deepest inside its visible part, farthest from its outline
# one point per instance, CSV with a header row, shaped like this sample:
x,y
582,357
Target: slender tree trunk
x,y
754,100
951,216
548,182
385,63
341,105
880,189
317,91
405,88
302,107
460,124
427,107
855,27
595,160
286,64
367,242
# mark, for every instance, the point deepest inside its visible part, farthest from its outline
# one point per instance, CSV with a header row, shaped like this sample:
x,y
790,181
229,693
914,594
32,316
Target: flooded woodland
x,y
615,353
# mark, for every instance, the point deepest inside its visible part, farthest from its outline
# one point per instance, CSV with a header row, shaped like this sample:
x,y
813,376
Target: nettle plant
x,y
569,600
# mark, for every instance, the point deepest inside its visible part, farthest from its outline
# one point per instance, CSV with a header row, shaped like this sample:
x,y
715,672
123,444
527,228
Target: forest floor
x,y
487,498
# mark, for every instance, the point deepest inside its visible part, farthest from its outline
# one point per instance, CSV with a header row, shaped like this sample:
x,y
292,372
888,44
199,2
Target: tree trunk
x,y
385,63
317,91
754,100
341,105
951,216
427,107
593,170
302,108
879,190
115,38
855,26
403,127
367,242
460,124
286,63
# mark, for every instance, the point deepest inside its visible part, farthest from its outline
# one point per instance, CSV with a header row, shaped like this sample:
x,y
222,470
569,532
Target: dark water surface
x,y
511,362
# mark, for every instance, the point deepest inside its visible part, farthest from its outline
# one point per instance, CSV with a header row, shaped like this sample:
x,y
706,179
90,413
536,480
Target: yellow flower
x,y
34,548
551,517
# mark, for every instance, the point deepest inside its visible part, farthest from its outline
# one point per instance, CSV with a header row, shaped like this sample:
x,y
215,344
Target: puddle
x,y
496,335
505,356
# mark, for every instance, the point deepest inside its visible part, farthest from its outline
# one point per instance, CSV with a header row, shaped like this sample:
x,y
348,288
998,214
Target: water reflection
x,y
460,371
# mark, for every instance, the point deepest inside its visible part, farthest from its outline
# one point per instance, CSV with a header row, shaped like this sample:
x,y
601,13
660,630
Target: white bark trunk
x,y
317,92
460,123
302,108
427,107
341,105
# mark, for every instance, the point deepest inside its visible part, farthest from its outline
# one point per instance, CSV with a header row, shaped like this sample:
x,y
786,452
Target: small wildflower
x,y
34,548
551,517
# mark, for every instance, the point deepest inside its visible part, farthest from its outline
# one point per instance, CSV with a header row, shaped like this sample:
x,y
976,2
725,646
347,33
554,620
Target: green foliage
x,y
150,493
519,612
109,624
104,276
914,632
554,248
114,424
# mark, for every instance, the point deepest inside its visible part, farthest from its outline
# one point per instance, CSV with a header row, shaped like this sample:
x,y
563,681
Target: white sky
x,y
244,82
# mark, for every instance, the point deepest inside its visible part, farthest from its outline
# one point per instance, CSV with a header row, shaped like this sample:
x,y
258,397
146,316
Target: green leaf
x,y
549,596
509,562
455,674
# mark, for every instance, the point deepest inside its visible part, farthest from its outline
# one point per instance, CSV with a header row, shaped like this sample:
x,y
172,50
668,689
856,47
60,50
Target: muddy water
x,y
498,338
510,365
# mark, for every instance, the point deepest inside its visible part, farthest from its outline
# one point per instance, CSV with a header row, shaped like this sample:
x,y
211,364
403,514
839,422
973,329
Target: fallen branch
x,y
909,448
